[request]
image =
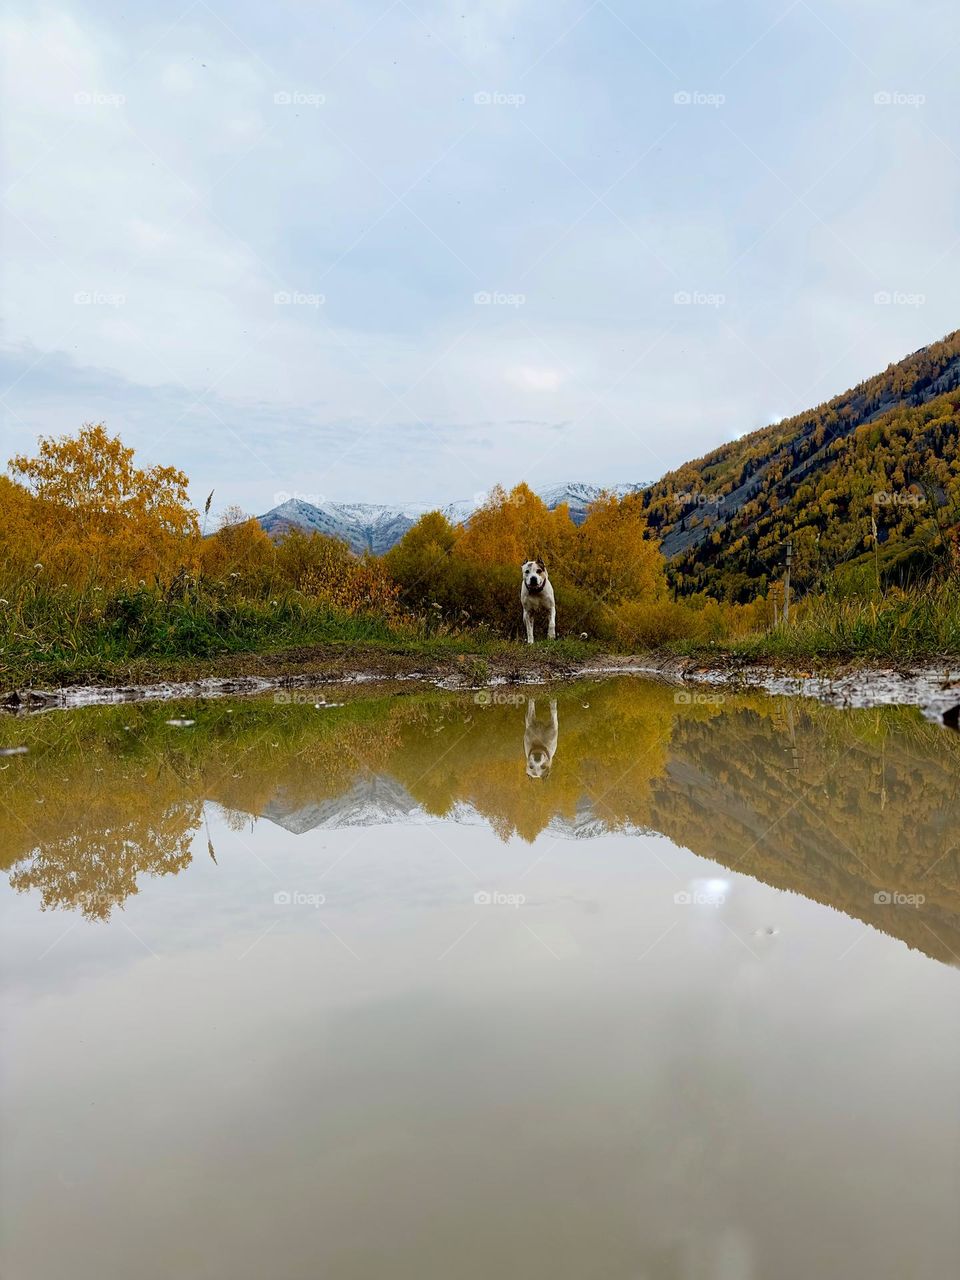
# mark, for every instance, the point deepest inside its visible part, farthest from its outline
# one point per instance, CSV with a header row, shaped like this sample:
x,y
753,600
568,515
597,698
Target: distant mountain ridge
x,y
376,527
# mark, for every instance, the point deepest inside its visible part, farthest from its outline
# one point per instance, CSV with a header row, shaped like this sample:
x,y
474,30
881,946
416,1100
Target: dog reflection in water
x,y
540,740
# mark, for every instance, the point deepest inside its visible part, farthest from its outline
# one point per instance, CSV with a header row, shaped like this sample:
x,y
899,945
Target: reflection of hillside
x,y
838,806
837,816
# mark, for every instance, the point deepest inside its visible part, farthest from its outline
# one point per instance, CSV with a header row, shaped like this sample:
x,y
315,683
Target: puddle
x,y
605,979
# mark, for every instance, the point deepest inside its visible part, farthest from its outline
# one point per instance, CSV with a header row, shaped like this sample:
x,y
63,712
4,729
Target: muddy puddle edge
x,y
935,688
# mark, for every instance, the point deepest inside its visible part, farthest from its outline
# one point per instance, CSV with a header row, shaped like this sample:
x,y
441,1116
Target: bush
x,y
640,625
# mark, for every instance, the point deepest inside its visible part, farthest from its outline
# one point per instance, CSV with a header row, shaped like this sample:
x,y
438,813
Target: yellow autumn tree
x,y
98,514
616,559
20,534
326,569
513,527
422,553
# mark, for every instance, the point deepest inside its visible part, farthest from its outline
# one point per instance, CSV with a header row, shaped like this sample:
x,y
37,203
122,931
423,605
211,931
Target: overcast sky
x,y
256,239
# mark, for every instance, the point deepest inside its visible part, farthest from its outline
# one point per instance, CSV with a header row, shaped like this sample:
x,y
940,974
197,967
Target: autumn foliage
x,y
472,573
107,570
81,515
83,510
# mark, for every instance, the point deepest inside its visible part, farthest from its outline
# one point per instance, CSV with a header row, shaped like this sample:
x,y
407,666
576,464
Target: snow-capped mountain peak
x,y
376,527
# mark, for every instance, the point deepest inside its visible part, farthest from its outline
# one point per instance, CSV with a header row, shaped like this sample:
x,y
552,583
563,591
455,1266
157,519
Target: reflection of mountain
x,y
378,801
371,801
840,806
585,824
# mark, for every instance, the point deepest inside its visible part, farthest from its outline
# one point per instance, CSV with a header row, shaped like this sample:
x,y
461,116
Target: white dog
x,y
536,592
540,740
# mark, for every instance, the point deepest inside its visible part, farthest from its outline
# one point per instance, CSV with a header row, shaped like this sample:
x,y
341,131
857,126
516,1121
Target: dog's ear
x,y
540,564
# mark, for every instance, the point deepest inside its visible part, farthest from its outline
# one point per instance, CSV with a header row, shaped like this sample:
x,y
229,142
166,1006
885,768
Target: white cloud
x,y
536,379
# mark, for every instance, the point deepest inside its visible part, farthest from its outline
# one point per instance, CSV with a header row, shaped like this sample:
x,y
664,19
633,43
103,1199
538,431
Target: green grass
x,y
897,626
59,632
54,637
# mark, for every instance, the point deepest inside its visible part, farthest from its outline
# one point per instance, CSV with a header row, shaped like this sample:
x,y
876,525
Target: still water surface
x,y
602,984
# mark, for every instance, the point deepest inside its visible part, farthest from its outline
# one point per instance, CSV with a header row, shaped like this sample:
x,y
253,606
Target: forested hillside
x,y
884,454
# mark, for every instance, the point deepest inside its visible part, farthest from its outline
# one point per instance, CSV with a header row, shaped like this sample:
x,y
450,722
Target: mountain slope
x,y
376,527
884,451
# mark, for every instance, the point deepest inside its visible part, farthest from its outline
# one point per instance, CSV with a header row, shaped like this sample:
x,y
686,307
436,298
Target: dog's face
x,y
538,763
534,575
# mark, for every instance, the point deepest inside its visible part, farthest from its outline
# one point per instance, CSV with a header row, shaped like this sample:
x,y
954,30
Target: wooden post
x,y
876,551
786,583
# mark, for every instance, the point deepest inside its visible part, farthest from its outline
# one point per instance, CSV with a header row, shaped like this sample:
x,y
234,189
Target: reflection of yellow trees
x,y
81,828
835,805
306,756
108,795
96,870
610,747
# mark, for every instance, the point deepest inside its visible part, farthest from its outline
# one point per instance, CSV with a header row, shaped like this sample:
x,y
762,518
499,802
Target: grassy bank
x,y
50,638
896,627
57,637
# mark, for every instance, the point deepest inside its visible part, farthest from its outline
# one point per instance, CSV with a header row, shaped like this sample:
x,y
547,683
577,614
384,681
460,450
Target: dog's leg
x,y
528,623
553,716
531,712
552,628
